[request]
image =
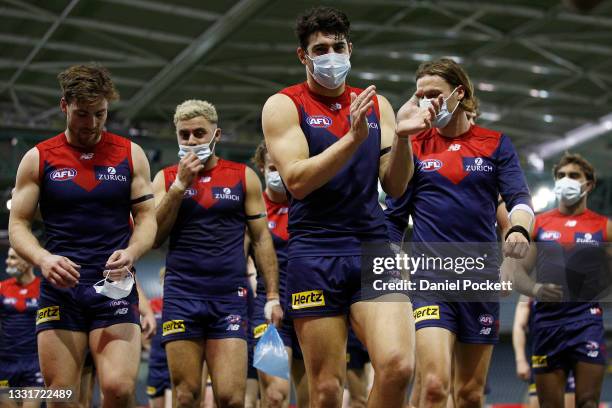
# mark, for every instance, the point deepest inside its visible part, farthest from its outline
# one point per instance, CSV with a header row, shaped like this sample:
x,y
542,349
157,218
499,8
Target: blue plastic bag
x,y
270,355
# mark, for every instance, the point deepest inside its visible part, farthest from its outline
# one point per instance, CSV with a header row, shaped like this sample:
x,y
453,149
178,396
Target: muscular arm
x,y
261,240
167,204
23,210
397,166
59,270
289,150
143,211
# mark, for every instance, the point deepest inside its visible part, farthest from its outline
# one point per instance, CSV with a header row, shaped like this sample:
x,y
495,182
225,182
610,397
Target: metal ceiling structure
x,y
540,68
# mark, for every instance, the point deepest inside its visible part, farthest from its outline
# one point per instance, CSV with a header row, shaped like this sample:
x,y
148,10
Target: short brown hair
x,y
87,83
259,158
574,158
455,75
327,20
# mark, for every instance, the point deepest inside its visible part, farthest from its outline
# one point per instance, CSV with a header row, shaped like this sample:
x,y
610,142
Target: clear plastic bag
x,y
270,355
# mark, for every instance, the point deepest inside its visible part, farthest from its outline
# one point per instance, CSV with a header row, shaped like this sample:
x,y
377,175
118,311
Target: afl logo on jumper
x,y
550,235
63,174
431,165
319,121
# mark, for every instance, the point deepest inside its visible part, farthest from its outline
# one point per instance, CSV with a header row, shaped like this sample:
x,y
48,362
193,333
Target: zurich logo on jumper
x,y
319,121
109,173
63,174
430,165
477,164
225,193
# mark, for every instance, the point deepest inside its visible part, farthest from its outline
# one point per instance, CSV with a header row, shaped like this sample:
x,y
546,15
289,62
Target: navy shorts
x,y
561,347
82,309
356,354
158,380
471,322
20,371
204,319
323,285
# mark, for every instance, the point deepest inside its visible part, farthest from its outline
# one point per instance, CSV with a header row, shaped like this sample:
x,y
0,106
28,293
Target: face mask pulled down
x,y
203,151
12,271
444,116
115,289
568,191
330,70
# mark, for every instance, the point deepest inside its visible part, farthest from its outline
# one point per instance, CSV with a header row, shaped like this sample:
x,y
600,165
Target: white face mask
x,y
444,116
274,181
115,289
12,271
568,191
330,70
203,151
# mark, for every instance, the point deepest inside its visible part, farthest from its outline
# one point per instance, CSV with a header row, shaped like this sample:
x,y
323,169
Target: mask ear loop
x,y
105,273
129,271
458,102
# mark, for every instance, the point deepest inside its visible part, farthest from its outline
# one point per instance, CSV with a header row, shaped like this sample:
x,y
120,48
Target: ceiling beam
x,y
96,52
96,24
169,8
194,53
40,45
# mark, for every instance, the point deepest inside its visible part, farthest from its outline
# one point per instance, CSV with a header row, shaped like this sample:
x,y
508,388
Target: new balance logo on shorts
x,y
539,362
173,326
426,313
310,298
47,314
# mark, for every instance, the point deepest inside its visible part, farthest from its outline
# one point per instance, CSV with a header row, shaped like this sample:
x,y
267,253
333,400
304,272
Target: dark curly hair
x,y
322,19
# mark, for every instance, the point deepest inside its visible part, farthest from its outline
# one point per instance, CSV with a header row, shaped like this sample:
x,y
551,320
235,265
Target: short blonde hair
x,y
194,108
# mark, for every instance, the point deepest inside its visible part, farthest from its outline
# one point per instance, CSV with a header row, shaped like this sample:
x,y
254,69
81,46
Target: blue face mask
x,y
444,116
330,70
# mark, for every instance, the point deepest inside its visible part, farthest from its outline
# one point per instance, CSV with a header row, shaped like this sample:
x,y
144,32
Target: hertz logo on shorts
x,y
426,313
258,331
151,390
539,362
173,326
47,314
4,384
311,298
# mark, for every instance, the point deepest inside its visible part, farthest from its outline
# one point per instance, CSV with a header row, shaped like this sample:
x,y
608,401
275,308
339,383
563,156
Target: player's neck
x,y
575,209
457,126
321,90
25,278
210,163
74,140
275,196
